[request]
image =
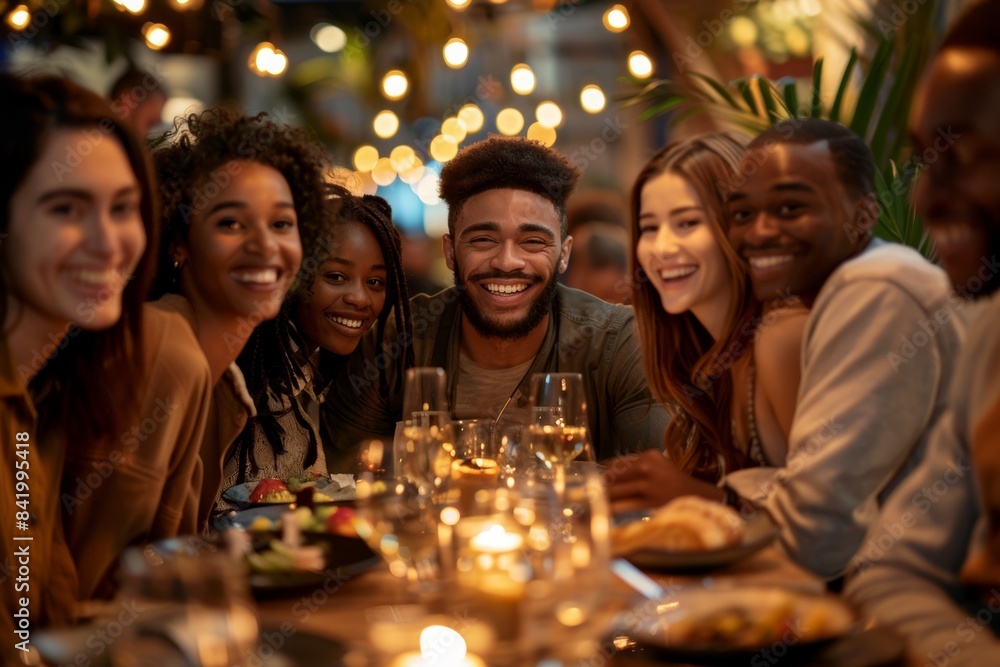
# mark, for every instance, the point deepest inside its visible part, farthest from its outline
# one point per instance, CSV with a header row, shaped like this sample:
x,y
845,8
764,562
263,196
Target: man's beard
x,y
490,328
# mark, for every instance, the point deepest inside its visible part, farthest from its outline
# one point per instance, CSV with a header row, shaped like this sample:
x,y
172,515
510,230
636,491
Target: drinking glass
x,y
569,548
194,607
395,519
426,390
559,419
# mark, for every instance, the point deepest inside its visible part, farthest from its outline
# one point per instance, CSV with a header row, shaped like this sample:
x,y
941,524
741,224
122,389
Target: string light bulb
x,y
456,53
19,17
640,65
268,60
473,117
592,99
386,124
549,114
157,35
510,121
365,158
522,79
616,19
395,85
542,133
132,6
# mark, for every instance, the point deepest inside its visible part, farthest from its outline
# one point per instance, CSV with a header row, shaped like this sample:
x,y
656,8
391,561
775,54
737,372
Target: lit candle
x,y
470,476
496,595
440,646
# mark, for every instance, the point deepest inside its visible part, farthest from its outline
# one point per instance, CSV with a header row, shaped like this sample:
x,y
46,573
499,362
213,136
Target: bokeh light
x,y
456,53
510,121
395,85
473,117
443,148
640,65
382,172
592,99
365,158
542,133
549,114
522,79
616,19
386,124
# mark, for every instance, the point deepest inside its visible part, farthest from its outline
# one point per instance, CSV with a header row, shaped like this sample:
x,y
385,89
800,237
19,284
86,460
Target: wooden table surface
x,y
344,607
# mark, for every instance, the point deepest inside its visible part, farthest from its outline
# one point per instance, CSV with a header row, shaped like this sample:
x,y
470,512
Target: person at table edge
x,y
507,317
930,568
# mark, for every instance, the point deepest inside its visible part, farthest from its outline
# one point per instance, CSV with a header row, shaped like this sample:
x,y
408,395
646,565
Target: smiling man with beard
x,y
507,318
930,568
878,348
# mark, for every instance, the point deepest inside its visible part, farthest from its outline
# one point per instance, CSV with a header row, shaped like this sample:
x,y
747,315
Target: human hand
x,y
650,479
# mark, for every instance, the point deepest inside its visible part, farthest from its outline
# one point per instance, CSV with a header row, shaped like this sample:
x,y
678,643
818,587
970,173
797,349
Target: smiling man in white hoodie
x,y
878,348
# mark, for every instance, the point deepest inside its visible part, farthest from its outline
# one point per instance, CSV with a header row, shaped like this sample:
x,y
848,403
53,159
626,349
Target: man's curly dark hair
x,y
500,162
201,143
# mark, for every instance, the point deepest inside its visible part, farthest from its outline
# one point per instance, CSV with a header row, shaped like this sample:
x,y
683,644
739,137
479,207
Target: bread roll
x,y
689,523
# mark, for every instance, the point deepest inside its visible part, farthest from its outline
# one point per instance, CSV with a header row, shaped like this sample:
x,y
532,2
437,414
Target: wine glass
x,y
558,430
426,390
395,520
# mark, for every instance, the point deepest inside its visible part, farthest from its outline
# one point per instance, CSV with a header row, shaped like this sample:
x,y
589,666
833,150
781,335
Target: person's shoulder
x,y
893,262
887,266
781,326
170,342
586,309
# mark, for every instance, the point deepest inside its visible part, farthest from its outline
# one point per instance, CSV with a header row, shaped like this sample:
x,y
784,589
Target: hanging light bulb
x,y
549,114
365,158
522,79
510,121
640,65
394,85
592,99
385,124
473,117
157,35
19,18
616,19
456,53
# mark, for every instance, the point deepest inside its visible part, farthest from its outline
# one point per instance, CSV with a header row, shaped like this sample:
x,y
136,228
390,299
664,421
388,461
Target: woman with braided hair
x,y
349,283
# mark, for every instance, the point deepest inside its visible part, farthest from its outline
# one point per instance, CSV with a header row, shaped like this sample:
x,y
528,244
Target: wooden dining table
x,y
342,609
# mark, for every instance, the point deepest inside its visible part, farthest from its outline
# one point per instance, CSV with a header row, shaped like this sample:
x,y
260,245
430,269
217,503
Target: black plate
x,y
760,532
346,557
654,626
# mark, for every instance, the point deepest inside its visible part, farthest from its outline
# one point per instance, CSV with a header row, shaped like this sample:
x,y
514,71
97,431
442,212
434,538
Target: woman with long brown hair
x,y
726,367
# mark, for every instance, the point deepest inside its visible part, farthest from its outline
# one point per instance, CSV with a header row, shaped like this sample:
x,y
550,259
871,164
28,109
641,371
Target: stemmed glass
x,y
394,520
425,449
558,431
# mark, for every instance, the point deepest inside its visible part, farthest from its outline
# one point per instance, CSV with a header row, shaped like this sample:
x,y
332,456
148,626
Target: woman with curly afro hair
x,y
352,282
241,198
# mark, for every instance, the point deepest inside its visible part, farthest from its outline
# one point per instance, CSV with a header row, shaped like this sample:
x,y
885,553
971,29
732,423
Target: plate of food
x,y
740,625
690,534
273,491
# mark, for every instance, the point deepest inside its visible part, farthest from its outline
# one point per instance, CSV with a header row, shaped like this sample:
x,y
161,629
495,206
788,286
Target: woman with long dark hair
x,y
82,361
242,198
726,367
355,282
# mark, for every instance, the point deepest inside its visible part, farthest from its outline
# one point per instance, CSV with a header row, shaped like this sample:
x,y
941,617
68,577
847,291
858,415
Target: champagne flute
x,y
426,390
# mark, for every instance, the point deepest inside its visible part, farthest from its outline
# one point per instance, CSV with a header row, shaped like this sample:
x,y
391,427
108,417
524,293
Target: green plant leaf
x,y
743,85
790,92
717,87
871,89
816,109
838,100
766,89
